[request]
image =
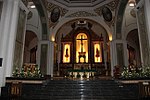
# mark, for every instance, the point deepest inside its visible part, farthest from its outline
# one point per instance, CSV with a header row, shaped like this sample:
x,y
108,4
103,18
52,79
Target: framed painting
x,y
55,14
107,14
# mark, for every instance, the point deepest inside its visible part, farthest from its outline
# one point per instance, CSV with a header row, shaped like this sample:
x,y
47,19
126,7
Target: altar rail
x,y
142,85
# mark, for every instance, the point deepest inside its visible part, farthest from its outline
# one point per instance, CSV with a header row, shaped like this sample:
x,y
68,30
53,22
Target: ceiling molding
x,y
81,14
80,3
50,6
112,6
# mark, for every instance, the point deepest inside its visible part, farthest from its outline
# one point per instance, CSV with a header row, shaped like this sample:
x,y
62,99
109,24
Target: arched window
x,y
81,48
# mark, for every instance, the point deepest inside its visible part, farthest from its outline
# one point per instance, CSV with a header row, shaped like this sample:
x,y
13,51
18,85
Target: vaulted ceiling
x,y
79,3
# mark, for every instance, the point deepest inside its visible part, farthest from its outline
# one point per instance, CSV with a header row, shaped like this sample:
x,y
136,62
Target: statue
x,y
97,52
67,55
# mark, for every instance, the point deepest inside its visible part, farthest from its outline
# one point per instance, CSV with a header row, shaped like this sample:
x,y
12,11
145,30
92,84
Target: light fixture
x,y
32,6
132,3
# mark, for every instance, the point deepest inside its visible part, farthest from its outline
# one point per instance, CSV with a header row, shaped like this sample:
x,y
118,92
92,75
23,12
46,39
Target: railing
x,y
144,89
16,89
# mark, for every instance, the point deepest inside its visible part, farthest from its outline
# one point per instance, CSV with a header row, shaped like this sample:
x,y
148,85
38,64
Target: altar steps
x,y
79,90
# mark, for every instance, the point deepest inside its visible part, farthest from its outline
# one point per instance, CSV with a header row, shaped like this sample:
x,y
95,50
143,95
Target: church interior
x,y
89,49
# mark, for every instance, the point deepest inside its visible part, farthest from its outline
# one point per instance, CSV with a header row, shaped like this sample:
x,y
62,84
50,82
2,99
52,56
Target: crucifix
x,y
81,39
82,53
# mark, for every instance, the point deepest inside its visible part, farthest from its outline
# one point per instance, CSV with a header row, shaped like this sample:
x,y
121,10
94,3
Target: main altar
x,y
82,52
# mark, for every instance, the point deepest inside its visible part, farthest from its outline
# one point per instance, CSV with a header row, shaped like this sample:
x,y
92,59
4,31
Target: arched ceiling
x,y
29,37
67,28
96,5
133,37
80,3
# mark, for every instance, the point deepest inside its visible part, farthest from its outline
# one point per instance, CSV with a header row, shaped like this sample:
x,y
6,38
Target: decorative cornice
x,y
81,14
51,24
133,13
112,6
111,22
50,6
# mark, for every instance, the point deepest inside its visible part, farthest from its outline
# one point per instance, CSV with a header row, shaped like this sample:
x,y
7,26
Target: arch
x,y
96,20
34,30
43,16
133,47
130,28
30,48
119,18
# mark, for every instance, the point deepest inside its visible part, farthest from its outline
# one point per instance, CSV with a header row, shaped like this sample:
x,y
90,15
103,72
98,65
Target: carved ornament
x,y
81,14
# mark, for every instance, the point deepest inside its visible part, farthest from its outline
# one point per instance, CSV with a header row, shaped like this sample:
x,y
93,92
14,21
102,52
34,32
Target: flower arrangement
x,y
139,73
28,73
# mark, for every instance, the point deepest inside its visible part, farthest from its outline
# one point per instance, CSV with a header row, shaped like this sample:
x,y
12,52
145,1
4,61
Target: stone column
x,y
147,18
118,51
51,58
113,56
143,21
44,46
8,28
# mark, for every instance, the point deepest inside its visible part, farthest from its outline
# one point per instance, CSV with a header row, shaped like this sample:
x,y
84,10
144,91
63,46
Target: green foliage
x,y
16,72
140,73
28,73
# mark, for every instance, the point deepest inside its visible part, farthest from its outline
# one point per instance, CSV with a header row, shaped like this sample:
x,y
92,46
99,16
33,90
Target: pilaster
x,y
8,29
51,58
118,51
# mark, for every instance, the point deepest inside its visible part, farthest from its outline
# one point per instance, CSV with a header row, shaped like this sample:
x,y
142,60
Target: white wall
x,y
129,22
34,24
8,28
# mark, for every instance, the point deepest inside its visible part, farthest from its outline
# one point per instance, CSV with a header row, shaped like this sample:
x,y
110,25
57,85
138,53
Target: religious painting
x,y
18,52
55,14
107,14
66,53
81,48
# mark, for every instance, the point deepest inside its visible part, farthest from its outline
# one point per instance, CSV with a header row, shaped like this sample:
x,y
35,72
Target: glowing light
x,y
131,3
81,47
53,39
66,53
32,6
97,53
110,38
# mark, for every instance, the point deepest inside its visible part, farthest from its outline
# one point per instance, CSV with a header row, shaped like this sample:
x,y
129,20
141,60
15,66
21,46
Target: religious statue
x,y
67,55
97,52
